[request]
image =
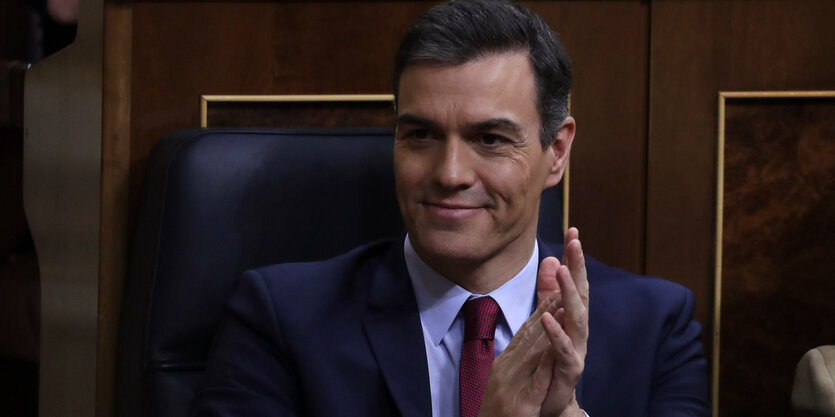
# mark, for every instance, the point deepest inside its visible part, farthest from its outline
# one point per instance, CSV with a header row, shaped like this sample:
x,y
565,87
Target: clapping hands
x,y
537,373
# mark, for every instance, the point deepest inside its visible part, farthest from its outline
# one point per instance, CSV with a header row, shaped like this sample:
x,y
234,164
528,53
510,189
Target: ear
x,y
559,151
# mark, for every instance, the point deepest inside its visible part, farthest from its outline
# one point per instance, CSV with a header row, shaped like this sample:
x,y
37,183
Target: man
x,y
412,327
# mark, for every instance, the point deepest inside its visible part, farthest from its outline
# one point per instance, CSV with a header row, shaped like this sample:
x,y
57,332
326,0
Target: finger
x,y
572,234
551,303
576,262
540,381
530,338
534,340
568,366
519,362
568,363
529,332
546,279
575,322
560,316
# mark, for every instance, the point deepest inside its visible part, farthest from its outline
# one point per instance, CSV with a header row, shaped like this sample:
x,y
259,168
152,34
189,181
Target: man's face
x,y
468,160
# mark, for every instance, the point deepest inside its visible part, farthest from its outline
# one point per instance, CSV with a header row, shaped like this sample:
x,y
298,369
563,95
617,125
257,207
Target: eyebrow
x,y
498,123
412,119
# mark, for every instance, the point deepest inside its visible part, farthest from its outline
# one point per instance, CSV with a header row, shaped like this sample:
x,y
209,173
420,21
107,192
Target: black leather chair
x,y
216,202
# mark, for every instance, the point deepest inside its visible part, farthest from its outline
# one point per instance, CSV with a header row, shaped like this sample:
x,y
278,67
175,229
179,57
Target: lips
x,y
452,206
451,211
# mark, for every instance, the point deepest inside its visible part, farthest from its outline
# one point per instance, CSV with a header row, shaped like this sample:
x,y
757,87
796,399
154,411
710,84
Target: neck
x,y
484,275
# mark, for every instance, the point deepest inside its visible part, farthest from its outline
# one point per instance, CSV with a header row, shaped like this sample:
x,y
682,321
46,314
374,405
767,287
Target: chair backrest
x,y
216,202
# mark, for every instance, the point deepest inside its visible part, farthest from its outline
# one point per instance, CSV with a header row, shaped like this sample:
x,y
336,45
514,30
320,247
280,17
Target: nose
x,y
454,166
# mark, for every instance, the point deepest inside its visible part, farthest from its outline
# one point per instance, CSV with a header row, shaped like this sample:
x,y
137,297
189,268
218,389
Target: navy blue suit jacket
x,y
343,338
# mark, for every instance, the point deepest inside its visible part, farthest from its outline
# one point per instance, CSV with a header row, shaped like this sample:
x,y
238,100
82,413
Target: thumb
x,y
546,279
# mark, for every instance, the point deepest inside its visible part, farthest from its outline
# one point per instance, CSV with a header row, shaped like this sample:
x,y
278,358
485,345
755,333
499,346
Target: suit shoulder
x,y
615,279
625,293
332,268
607,278
334,279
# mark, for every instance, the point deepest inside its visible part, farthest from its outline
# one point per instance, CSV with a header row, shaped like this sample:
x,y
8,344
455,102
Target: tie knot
x,y
480,318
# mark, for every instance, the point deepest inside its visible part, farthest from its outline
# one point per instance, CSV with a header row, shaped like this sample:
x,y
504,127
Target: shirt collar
x,y
439,300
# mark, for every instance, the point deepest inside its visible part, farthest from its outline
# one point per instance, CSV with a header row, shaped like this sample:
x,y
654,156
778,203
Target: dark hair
x,y
460,31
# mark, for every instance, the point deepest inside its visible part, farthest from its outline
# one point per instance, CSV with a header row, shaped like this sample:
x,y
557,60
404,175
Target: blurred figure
x,y
813,394
55,25
63,11
31,31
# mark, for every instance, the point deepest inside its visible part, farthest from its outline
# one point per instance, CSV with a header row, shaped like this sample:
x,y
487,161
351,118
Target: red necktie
x,y
477,352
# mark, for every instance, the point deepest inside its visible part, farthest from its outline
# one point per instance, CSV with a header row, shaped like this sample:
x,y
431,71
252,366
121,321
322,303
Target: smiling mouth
x,y
448,211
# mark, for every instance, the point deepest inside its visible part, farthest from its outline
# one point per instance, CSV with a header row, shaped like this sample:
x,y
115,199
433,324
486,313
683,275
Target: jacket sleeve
x,y
679,377
249,371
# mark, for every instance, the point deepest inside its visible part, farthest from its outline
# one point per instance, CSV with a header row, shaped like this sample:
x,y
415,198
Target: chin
x,y
449,247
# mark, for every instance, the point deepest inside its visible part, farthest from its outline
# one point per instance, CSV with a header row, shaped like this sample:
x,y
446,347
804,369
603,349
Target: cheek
x,y
408,174
511,181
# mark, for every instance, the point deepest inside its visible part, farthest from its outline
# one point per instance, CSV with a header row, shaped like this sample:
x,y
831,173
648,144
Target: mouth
x,y
451,211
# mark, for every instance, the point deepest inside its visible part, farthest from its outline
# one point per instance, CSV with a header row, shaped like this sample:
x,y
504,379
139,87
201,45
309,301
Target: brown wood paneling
x,y
115,167
698,48
608,45
777,246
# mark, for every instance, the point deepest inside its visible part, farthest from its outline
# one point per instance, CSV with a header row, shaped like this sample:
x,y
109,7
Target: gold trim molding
x,y
720,185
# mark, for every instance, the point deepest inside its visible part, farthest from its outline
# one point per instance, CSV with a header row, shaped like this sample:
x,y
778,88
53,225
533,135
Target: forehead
x,y
496,85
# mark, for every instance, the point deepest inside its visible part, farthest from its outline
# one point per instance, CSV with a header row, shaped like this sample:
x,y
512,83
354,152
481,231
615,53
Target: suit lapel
x,y
392,323
544,252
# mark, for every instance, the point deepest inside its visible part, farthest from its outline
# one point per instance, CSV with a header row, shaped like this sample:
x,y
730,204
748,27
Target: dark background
x,y
27,35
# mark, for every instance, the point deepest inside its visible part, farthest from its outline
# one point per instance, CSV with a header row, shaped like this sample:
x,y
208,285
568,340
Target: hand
x,y
538,371
567,329
521,375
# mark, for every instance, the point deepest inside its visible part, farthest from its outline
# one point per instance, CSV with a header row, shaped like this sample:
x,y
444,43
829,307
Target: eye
x,y
490,139
416,134
419,134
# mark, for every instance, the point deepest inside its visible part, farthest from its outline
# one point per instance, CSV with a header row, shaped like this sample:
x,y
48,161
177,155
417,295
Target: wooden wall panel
x,y
608,45
778,215
115,169
699,48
